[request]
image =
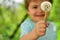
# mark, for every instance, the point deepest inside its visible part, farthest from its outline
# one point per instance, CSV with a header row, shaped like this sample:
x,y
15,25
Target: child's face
x,y
35,12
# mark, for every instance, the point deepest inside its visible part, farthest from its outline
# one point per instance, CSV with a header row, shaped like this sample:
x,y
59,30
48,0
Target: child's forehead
x,y
38,0
34,2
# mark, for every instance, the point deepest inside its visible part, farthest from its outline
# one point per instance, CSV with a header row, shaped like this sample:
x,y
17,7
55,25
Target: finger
x,y
42,29
42,26
42,34
41,21
47,24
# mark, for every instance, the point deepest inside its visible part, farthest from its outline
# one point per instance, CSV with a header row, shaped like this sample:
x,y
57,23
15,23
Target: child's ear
x,y
28,11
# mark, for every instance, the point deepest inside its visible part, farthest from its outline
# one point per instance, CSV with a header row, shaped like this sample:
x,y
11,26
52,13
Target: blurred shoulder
x,y
26,22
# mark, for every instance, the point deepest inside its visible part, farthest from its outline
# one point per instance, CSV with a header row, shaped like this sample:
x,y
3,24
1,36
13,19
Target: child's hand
x,y
41,28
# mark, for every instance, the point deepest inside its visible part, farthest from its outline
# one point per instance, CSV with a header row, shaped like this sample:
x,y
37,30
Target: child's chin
x,y
38,19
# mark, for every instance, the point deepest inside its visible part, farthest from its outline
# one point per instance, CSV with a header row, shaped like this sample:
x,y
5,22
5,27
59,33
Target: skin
x,y
37,15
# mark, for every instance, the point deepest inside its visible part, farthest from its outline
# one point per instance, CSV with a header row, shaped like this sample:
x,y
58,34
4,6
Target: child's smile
x,y
39,15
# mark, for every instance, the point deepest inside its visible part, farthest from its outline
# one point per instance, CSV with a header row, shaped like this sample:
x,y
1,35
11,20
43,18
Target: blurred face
x,y
35,12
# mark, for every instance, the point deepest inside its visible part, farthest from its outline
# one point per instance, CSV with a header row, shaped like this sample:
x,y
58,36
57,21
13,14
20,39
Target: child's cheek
x,y
32,11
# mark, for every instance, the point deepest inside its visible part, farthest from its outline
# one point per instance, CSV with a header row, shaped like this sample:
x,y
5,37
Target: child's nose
x,y
39,10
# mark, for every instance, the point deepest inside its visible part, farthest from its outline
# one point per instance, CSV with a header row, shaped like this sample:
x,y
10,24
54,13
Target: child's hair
x,y
28,1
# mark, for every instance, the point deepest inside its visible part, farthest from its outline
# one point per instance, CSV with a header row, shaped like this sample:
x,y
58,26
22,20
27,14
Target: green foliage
x,y
9,21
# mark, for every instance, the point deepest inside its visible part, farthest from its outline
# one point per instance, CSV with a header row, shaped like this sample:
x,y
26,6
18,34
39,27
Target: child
x,y
35,27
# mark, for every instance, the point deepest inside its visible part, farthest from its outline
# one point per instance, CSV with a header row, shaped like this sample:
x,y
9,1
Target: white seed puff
x,y
46,6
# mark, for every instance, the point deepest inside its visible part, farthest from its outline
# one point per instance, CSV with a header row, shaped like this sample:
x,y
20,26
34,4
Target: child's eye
x,y
35,7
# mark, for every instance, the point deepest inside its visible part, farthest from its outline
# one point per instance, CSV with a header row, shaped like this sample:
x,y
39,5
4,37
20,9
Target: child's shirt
x,y
28,25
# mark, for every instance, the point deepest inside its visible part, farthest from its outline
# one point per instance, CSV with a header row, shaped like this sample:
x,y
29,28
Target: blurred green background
x,y
13,15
